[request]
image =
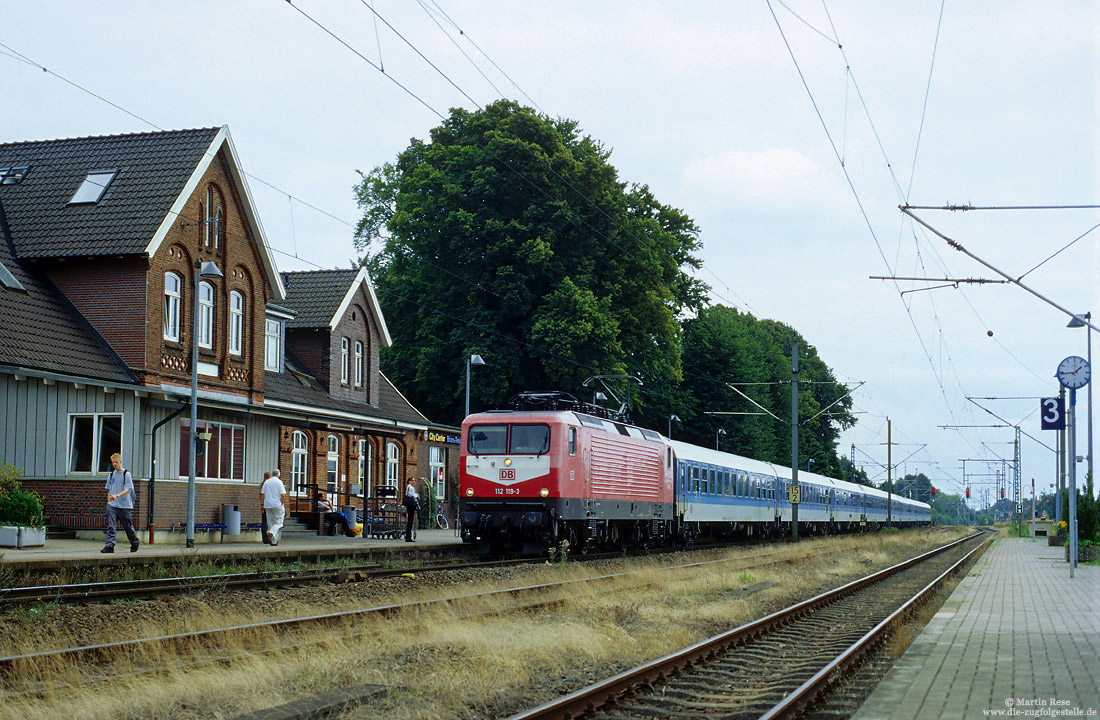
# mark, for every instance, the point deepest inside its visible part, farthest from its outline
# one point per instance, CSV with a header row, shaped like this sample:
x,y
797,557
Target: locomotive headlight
x,y
544,492
507,462
469,492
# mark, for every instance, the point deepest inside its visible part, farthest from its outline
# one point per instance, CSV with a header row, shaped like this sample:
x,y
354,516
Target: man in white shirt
x,y
273,494
412,508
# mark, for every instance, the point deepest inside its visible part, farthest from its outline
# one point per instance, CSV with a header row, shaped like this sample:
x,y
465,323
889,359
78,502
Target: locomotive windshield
x,y
504,439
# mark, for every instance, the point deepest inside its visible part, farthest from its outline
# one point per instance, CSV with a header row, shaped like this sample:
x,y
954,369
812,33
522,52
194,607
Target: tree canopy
x,y
511,236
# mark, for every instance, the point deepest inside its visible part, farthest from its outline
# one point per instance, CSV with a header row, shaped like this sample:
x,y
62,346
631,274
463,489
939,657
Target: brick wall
x,y
111,294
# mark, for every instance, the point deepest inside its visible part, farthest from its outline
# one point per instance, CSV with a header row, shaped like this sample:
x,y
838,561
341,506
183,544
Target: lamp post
x,y
203,269
720,433
671,418
1076,322
471,360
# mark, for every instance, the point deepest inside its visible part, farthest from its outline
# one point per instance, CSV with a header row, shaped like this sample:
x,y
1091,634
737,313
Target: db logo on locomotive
x,y
507,473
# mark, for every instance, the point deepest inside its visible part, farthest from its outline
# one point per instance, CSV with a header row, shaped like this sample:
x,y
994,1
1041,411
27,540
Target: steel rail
x,y
593,697
797,702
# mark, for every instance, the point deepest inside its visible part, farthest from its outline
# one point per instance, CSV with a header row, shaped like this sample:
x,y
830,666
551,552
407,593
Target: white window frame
x,y
273,344
437,461
236,322
206,315
173,295
364,468
332,470
393,460
299,462
358,363
96,442
344,360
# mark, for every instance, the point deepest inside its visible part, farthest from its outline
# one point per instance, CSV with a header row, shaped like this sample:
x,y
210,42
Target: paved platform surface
x,y
1017,638
60,552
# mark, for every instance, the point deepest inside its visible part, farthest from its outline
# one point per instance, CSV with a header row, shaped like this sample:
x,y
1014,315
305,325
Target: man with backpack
x,y
120,504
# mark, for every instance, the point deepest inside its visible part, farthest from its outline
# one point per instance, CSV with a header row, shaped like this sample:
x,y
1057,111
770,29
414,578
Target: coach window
x,y
572,441
695,479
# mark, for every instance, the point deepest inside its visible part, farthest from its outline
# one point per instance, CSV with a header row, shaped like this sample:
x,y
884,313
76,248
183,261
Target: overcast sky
x,y
789,132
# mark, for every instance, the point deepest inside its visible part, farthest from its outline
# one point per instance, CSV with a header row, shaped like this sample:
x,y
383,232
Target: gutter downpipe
x,y
153,469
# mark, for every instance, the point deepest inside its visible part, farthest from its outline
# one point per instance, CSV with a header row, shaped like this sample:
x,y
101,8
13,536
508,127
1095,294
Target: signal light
x,y
968,493
933,492
1002,493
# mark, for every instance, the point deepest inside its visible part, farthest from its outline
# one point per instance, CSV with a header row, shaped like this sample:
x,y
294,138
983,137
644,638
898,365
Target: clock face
x,y
1074,372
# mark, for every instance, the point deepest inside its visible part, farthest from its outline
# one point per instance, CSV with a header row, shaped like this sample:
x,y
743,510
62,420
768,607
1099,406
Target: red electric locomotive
x,y
553,468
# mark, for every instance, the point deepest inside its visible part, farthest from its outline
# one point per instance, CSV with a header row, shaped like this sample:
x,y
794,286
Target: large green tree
x,y
510,235
737,373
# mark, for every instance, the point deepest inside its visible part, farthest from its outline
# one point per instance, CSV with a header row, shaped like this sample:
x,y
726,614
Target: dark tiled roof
x,y
316,295
294,385
153,169
40,330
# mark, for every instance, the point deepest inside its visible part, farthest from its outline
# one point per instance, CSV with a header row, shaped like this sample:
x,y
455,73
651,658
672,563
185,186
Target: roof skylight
x,y
13,175
7,280
93,187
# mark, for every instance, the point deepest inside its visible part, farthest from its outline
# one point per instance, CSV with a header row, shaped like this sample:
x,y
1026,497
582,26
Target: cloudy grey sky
x,y
789,131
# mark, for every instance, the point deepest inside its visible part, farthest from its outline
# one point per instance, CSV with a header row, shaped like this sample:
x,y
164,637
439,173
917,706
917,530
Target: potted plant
x,y
1061,531
21,521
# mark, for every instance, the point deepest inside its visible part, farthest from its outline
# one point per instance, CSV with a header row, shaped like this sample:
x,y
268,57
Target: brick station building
x,y
100,238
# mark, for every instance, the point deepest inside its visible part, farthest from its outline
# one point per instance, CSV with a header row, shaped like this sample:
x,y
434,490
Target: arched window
x,y
236,322
393,460
172,307
333,461
206,315
215,218
299,456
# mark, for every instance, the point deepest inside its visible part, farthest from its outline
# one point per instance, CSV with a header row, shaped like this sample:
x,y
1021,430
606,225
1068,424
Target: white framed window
x,y
299,455
222,455
437,467
212,227
393,461
273,344
236,322
333,466
364,468
206,315
93,438
358,364
172,287
344,360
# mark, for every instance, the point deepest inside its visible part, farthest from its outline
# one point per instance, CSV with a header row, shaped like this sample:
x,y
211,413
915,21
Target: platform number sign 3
x,y
1052,413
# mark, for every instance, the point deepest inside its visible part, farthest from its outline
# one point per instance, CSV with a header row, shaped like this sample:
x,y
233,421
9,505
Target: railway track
x,y
94,663
778,666
269,579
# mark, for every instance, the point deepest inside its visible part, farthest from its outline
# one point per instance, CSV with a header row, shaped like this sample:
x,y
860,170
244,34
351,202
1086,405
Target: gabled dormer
x,y
338,331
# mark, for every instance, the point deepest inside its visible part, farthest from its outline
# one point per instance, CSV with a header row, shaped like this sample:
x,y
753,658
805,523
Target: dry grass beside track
x,y
444,662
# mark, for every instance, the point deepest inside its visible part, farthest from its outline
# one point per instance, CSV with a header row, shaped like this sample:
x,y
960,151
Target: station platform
x,y
306,547
1017,638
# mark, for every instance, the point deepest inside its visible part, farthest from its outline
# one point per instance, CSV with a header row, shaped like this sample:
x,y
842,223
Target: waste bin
x,y
350,513
231,518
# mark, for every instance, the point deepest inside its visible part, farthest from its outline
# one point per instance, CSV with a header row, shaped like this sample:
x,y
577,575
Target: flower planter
x,y
1056,539
17,536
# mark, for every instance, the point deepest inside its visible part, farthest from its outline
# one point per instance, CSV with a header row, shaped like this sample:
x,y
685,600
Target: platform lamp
x,y
203,269
671,419
471,360
721,432
1076,322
